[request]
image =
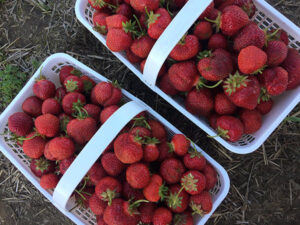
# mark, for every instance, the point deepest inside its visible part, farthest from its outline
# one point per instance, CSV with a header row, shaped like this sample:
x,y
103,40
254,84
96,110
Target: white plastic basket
x,y
93,149
266,16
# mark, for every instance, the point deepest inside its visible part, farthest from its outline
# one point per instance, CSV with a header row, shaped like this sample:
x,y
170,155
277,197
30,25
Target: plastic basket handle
x,y
170,37
91,152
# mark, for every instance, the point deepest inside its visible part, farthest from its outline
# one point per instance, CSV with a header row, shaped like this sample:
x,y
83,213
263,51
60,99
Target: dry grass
x,y
265,185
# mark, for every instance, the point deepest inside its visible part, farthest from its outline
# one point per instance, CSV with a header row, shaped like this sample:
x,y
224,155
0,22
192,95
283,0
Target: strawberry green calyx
x,y
163,191
189,183
41,77
138,139
180,219
142,31
63,124
194,153
202,83
80,112
270,37
71,85
109,195
171,147
259,71
235,81
152,17
102,4
116,84
182,40
101,29
141,122
151,140
76,72
132,208
222,133
264,96
197,209
204,54
174,200
87,86
41,164
130,27
217,22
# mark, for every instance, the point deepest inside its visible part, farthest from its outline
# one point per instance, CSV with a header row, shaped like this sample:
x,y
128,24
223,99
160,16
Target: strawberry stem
x,y
201,84
235,81
217,22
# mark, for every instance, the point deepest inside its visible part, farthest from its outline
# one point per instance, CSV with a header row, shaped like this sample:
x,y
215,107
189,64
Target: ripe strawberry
x,y
111,164
44,89
203,30
187,48
292,65
20,123
164,151
140,132
49,181
32,106
207,12
107,112
212,119
73,84
166,86
88,84
73,99
202,203
246,5
230,128
93,111
193,182
161,72
115,21
275,80
217,66
97,205
194,160
61,148
51,106
158,22
180,144
183,75
171,170
107,189
264,107
141,5
158,130
108,93
278,35
66,71
199,101
142,46
223,105
47,124
98,4
34,145
151,151
249,35
243,91
138,175
252,60
162,216
216,41
125,10
251,119
100,22
276,52
146,212
178,199
47,153
42,166
129,192
210,175
118,40
127,149
60,93
184,218
96,173
155,190
65,164
132,57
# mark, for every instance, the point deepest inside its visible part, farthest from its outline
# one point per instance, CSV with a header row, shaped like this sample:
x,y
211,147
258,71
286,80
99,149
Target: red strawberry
x,y
151,151
73,99
129,192
111,164
230,128
20,123
96,173
64,119
49,181
34,145
277,52
61,148
98,4
107,112
164,151
203,30
42,166
118,40
32,106
97,205
162,216
166,86
252,60
146,212
100,22
108,93
180,144
216,41
202,203
88,84
140,132
183,75
278,35
132,57
44,89
212,118
207,11
187,48
171,170
66,71
100,221
125,10
47,153
184,218
199,101
210,175
246,5
213,14
275,80
155,190
264,107
127,149
223,105
249,35
142,46
73,84
178,199
138,175
65,164
47,125
115,21
158,130
194,160
107,189
51,106
60,93
161,72
251,119
243,91
217,66
292,65
158,22
193,182
141,5
93,111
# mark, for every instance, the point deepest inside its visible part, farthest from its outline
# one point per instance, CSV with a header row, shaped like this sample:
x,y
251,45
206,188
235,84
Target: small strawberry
x,y
142,46
61,148
166,86
276,52
73,84
107,189
230,128
201,203
178,199
97,205
93,111
171,170
194,160
60,93
158,130
118,40
132,57
32,106
96,173
51,106
108,93
164,151
211,176
49,181
158,22
251,119
42,166
44,89
66,71
184,218
34,145
275,80
212,119
243,91
187,48
216,41
292,65
100,22
125,10
151,151
65,164
247,5
162,216
252,60
223,105
88,84
180,144
129,192
138,175
20,123
73,99
142,5
161,72
264,107
140,131
115,21
111,164
193,182
107,112
146,212
47,125
155,190
203,30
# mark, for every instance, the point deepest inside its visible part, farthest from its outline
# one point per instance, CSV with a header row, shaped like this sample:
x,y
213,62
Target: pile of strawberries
x,y
141,176
226,68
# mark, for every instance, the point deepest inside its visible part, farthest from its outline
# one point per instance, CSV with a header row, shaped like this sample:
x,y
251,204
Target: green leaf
x,y
292,119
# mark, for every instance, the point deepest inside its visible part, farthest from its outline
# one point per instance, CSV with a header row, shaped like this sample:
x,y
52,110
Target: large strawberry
x,y
44,89
242,90
47,125
202,203
230,128
199,101
138,175
20,123
32,106
187,48
223,105
142,5
107,189
180,144
34,145
171,170
193,182
142,46
111,164
52,106
276,52
107,93
177,199
42,166
292,65
61,148
158,22
162,216
155,190
251,119
194,160
71,100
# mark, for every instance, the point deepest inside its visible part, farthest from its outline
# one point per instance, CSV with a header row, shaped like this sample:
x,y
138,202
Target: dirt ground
x,y
265,185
